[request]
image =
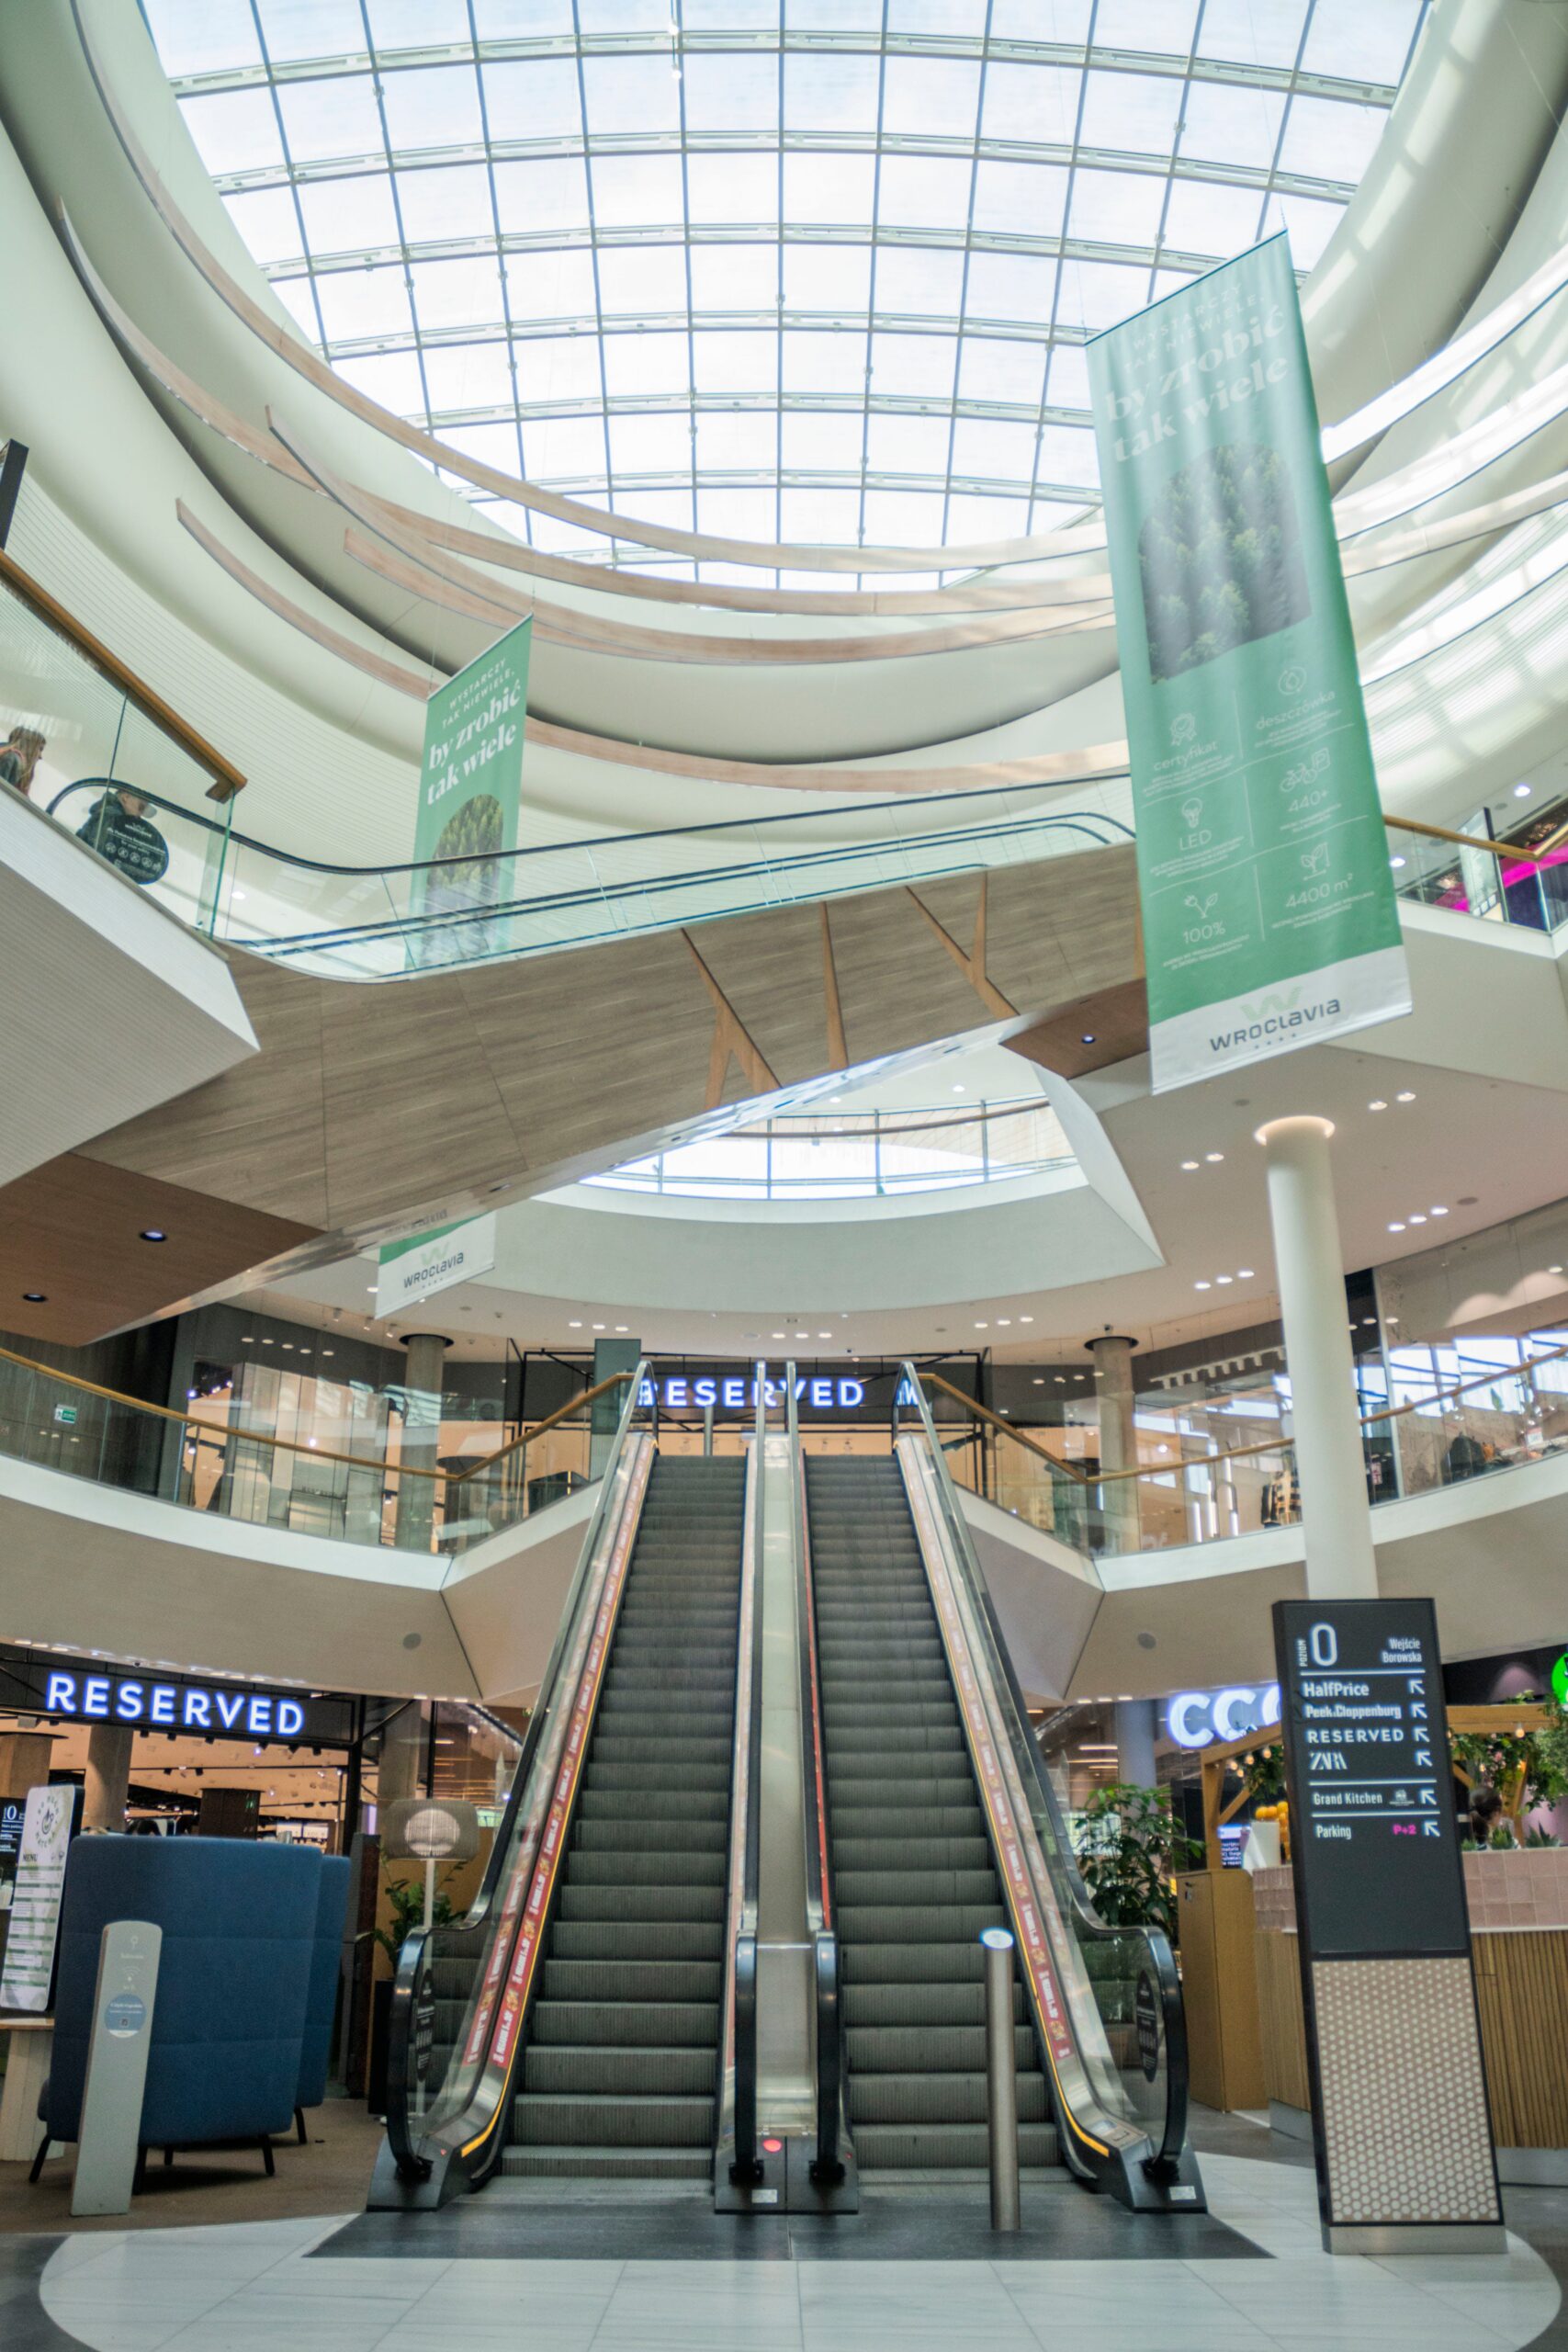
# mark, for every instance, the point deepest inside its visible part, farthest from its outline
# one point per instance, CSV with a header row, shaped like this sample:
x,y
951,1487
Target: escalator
x,y
912,1867
941,1823
619,2075
572,2023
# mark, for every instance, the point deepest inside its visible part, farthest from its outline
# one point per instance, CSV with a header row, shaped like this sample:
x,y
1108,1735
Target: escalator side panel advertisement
x,y
1269,910
470,798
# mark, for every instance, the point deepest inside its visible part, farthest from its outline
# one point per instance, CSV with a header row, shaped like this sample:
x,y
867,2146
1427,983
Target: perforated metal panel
x,y
1405,2119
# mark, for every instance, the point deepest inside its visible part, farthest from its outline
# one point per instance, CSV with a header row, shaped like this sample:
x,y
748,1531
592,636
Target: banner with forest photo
x,y
470,798
1269,918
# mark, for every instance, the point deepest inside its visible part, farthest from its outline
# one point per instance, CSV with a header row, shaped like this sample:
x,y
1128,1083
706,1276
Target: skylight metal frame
x,y
1045,497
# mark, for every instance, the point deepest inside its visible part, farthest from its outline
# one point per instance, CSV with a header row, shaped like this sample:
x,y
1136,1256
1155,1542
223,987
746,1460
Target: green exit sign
x,y
66,1415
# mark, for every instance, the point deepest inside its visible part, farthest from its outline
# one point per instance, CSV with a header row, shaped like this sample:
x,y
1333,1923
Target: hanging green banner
x,y
1269,918
470,797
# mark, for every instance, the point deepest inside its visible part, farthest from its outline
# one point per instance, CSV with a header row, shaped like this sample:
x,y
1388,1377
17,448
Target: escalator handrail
x,y
411,2159
820,1913
585,841
1092,1926
740,1992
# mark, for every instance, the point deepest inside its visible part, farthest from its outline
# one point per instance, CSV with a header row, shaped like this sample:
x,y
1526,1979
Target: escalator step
x,y
904,1850
605,2164
641,1867
946,2147
608,2120
909,1892
938,2099
932,2048
673,1983
617,2070
923,2005
613,2020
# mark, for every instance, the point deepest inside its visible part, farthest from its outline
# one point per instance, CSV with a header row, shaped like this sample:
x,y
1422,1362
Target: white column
x,y
417,1501
1114,1395
1330,1469
107,1782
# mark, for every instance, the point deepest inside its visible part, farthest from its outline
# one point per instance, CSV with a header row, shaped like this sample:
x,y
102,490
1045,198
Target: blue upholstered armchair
x,y
238,1922
321,2005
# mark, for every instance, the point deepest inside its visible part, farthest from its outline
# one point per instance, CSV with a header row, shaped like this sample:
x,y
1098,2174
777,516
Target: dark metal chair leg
x,y
138,2178
43,2147
268,2156
300,2126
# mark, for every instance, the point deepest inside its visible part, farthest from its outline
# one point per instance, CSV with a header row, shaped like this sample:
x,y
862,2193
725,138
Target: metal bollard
x,y
1001,2078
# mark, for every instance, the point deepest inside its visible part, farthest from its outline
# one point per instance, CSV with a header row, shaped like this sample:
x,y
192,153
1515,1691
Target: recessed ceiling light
x,y
1039,1381
778,1335
1223,1280
623,1326
36,1297
266,1344
1004,1322
824,1335
982,1327
1396,1227
370,1290
1522,792
1243,1275
1212,1157
958,1089
1379,1104
1396,863
1417,1217
598,1327
1439,1212
1554,1270
1405,1097
150,1233
1026,1318
574,1327
1189,1165
329,1351
1088,1039
1202,1285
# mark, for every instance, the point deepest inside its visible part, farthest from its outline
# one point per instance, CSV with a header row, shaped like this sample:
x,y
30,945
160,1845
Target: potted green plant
x,y
1130,1848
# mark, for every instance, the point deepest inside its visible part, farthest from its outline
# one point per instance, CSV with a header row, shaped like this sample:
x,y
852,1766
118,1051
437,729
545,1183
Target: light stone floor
x,y
250,2289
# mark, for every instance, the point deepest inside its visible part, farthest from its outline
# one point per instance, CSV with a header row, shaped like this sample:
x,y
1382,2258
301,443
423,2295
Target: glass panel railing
x,y
1466,873
462,1992
1106,1999
389,921
227,1461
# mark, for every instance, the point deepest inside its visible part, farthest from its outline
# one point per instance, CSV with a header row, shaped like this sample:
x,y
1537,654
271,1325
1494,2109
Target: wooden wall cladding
x,y
1521,1989
368,1106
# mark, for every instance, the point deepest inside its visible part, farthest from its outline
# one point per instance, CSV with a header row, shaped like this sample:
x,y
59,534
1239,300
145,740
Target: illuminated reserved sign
x,y
1198,1718
170,1707
72,1689
738,1392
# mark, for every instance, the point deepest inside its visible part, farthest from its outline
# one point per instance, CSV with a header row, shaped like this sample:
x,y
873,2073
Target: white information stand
x,y
110,2130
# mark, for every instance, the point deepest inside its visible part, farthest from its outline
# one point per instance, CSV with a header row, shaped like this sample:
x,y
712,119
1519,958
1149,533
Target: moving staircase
x,y
913,1877
620,2071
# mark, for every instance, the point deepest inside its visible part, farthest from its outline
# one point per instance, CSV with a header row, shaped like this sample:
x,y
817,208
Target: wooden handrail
x,y
1236,1453
227,778
301,1446
561,1413
1498,850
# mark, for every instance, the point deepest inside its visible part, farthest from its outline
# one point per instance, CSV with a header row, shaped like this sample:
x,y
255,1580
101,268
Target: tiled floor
x,y
265,2287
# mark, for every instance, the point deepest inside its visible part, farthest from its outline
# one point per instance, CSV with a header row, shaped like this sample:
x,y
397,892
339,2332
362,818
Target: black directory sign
x,y
1374,1842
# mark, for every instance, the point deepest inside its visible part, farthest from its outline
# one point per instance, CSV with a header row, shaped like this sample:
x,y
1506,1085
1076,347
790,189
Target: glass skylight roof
x,y
811,270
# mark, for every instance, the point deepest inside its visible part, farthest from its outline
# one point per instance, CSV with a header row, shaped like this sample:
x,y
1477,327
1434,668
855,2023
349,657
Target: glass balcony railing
x,y
387,922
238,1468
1202,1477
871,1155
1523,882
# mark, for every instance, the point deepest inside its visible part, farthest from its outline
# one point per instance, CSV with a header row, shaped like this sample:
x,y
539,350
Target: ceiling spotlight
x,y
1026,1318
1189,1165
36,1297
623,1326
982,1327
150,1233
1222,1280
1396,863
1396,1227
1202,1285
1407,1097
1439,1212
1244,1273
1088,1039
1554,1270
1521,791
574,1327
1378,1105
1214,1157
1417,1217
